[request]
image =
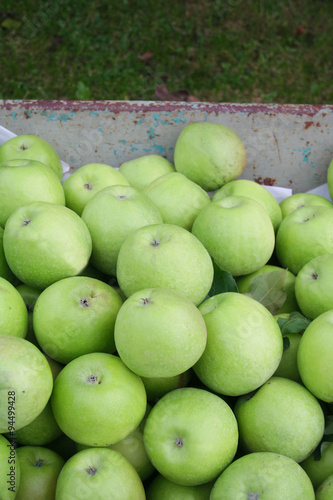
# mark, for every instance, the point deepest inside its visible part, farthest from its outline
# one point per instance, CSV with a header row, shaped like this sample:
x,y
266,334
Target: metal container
x,y
287,145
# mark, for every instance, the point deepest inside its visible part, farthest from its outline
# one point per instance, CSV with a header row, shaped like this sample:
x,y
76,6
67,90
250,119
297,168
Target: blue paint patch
x,y
160,149
115,152
14,115
67,116
151,138
123,141
182,118
50,117
138,122
100,130
156,119
306,152
94,113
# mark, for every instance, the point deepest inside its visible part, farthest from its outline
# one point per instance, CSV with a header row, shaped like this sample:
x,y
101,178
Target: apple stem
x,y
92,379
155,243
39,462
91,470
179,442
84,302
145,301
26,222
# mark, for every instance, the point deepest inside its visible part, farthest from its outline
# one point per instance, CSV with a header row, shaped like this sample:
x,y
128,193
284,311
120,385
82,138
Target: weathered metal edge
x,y
152,106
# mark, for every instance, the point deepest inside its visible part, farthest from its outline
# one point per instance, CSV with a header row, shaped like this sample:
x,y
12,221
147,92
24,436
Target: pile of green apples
x,y
166,331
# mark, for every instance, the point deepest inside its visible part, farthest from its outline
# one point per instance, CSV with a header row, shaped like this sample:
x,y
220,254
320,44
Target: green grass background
x,y
226,51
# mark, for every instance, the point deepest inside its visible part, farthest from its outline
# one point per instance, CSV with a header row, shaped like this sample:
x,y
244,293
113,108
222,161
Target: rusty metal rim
x,y
167,106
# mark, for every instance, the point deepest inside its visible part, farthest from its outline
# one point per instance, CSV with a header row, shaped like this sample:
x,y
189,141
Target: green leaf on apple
x,y
296,323
268,289
223,282
286,343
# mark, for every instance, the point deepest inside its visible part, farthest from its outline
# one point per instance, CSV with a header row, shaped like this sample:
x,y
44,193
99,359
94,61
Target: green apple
x,y
141,171
25,381
299,200
178,199
314,357
88,180
5,271
13,313
44,243
303,235
162,489
244,344
238,234
166,256
244,284
330,178
29,296
210,154
41,431
40,468
99,474
111,215
31,147
159,333
325,490
263,476
25,181
97,400
157,387
76,316
281,417
251,189
190,436
319,470
314,286
10,469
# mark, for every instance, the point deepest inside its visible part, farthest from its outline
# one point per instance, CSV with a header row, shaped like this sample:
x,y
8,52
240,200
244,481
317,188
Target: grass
x,y
227,51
